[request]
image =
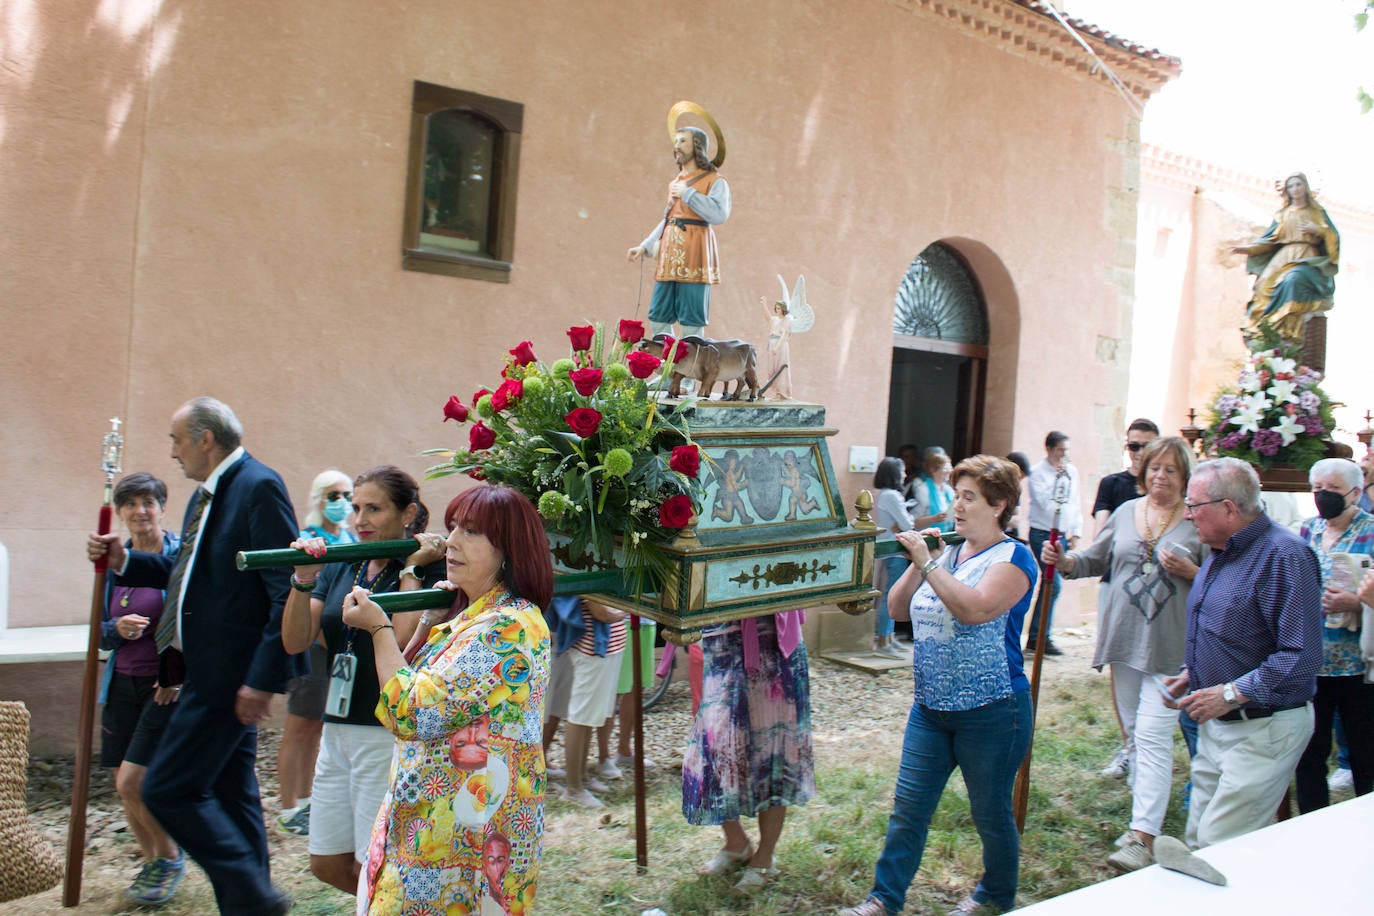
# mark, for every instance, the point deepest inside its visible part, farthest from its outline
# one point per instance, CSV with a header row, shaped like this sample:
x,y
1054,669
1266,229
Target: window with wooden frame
x,y
460,184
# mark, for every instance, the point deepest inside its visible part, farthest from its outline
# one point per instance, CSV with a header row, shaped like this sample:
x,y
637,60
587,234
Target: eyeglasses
x,y
336,495
1134,446
1193,507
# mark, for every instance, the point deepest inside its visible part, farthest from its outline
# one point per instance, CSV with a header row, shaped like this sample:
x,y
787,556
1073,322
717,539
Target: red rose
x,y
583,421
480,437
524,353
507,393
686,459
642,364
476,473
454,410
631,331
581,337
680,353
675,512
477,395
586,381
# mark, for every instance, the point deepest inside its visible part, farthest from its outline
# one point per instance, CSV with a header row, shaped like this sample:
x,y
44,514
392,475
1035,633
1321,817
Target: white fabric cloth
x,y
1042,479
209,486
582,687
889,511
1149,726
352,773
1241,771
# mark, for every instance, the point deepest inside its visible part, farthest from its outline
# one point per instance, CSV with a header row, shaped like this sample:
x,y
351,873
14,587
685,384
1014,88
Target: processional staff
x,y
1021,795
112,462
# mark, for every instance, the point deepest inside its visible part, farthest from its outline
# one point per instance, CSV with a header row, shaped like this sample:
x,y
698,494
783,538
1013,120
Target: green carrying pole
x,y
338,553
423,599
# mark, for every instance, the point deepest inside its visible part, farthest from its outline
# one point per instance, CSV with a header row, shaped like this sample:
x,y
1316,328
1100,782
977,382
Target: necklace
x,y
124,598
1147,565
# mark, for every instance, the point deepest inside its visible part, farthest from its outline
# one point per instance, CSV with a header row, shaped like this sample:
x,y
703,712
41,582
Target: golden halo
x,y
685,107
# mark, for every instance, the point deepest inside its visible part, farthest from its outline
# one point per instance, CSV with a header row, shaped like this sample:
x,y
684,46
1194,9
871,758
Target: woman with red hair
x,y
466,707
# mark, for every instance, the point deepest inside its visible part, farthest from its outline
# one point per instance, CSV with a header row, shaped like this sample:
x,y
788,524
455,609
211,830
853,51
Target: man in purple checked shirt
x,y
1254,648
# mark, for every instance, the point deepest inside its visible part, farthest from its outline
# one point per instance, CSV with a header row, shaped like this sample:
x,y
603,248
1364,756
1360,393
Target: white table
x,y
1316,863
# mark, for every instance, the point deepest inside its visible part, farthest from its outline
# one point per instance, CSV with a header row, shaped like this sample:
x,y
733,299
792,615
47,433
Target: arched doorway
x,y
939,356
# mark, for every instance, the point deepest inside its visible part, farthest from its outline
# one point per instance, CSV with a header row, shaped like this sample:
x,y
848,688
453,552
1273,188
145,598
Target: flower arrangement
x,y
585,440
1276,413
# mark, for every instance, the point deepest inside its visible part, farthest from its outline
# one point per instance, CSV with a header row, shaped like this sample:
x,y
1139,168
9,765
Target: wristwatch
x,y
929,567
1228,693
409,571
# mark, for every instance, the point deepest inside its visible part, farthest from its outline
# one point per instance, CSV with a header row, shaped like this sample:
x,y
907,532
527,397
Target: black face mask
x,y
1329,503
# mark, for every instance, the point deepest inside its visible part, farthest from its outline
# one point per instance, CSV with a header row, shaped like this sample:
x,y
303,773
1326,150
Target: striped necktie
x,y
171,608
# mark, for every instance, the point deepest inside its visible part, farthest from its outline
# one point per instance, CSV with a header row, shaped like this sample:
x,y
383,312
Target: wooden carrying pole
x,y
81,769
1021,794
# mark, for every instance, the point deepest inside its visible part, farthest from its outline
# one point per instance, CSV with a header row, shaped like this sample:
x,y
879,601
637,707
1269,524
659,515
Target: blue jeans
x,y
891,569
987,744
1038,537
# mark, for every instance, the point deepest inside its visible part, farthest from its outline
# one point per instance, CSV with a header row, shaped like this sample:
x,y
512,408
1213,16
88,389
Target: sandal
x,y
755,879
725,861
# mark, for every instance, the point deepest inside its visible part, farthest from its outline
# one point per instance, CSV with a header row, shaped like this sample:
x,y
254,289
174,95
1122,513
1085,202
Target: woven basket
x,y
29,864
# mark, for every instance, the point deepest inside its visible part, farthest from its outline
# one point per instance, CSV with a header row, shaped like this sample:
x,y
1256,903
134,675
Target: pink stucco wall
x,y
206,198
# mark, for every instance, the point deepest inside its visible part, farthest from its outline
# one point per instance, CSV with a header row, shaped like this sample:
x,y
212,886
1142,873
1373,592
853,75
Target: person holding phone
x,y
354,764
1153,553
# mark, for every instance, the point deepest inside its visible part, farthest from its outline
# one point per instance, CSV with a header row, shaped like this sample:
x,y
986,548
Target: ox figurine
x,y
709,361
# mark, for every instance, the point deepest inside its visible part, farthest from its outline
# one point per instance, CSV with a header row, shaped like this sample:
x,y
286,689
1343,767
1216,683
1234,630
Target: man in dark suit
x,y
222,628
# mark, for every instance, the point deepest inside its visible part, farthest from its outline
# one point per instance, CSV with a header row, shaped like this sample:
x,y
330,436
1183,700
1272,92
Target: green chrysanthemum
x,y
618,462
483,406
561,368
617,372
552,505
535,386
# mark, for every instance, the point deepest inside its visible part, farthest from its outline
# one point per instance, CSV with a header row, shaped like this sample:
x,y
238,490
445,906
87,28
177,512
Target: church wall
x,y
215,207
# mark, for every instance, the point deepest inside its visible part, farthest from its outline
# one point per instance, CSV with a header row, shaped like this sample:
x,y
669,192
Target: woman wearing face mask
x,y
331,504
1340,527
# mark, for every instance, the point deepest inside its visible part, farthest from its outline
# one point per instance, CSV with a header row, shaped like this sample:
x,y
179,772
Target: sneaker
x,y
555,772
158,881
1131,857
626,762
607,769
725,861
892,650
870,907
1126,839
755,879
1342,780
1052,649
297,823
584,798
592,784
970,907
1120,765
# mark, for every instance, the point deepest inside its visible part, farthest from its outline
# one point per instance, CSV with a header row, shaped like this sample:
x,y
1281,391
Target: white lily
x,y
1289,428
1248,416
1250,381
1284,392
1278,365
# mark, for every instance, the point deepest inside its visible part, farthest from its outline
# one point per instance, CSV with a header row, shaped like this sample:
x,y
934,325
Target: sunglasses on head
x,y
334,495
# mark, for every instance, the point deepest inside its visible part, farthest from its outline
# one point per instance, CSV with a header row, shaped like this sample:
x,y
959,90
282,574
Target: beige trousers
x,y
1241,771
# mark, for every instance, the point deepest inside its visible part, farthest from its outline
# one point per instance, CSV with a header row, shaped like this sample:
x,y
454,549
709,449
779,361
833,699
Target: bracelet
x,y
424,619
928,568
307,585
379,627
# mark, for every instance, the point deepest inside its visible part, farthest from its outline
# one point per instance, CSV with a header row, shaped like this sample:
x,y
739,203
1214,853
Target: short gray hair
x,y
1346,470
216,417
1233,479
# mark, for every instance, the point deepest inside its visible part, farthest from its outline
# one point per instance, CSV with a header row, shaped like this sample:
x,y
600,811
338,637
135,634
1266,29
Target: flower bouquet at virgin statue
x,y
585,439
1275,414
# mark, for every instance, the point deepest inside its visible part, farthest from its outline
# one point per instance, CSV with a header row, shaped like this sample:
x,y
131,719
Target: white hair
x,y
323,481
1233,479
1345,470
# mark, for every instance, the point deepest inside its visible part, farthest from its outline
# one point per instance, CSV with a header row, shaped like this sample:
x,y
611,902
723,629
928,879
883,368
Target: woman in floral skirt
x,y
749,754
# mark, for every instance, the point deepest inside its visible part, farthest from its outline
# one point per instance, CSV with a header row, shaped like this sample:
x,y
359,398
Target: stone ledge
x,y
43,644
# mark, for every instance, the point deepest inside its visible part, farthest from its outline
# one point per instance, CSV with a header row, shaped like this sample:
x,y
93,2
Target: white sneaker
x,y
1131,857
1120,767
625,761
1341,780
607,769
892,650
592,784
